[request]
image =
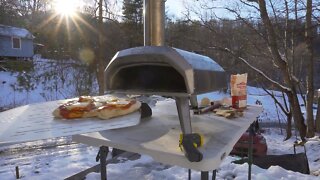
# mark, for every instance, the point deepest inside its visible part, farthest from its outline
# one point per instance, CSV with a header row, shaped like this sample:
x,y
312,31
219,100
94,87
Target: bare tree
x,y
317,126
105,14
310,66
101,61
278,34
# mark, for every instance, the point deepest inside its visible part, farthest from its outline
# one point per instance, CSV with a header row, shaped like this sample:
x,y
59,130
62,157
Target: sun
x,y
66,7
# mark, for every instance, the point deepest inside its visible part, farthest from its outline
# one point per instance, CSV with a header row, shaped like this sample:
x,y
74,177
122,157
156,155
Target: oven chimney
x,y
154,17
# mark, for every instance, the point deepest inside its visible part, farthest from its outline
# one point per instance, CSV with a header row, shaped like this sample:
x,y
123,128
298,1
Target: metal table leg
x,y
214,173
251,134
204,175
102,156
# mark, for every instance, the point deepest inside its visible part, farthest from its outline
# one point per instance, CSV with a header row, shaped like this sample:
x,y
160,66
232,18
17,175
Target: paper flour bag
x,y
238,85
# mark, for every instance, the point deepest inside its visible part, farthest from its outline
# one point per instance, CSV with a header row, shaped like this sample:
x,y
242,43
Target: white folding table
x,y
158,136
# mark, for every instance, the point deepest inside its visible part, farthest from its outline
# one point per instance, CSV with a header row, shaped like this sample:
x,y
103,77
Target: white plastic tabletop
x,y
36,122
158,136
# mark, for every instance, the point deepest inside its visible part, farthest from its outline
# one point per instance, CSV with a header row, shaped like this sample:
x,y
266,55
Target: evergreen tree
x,y
133,22
9,15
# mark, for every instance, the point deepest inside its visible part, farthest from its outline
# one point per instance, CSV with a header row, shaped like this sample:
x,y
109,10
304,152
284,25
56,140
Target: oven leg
x,y
184,114
194,101
189,141
102,156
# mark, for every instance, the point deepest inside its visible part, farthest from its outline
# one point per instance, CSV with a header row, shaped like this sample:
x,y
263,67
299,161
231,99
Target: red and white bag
x,y
238,85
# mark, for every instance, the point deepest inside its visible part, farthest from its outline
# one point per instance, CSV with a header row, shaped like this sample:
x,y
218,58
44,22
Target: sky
x,y
175,7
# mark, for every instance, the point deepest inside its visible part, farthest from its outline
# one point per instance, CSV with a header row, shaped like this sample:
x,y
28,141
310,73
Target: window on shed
x,y
16,43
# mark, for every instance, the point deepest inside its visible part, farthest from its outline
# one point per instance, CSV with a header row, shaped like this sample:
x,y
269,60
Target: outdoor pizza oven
x,y
155,69
163,70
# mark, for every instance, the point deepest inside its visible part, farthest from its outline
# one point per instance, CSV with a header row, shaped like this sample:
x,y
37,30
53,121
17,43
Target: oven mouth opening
x,y
149,78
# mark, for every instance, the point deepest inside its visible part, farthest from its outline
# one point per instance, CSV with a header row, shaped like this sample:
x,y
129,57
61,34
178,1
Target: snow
x,y
60,158
65,160
14,31
50,80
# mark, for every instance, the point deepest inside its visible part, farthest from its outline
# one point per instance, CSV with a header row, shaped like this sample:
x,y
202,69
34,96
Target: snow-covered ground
x,y
60,158
50,80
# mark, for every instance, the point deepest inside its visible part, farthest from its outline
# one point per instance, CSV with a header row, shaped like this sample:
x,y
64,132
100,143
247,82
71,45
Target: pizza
x,y
103,107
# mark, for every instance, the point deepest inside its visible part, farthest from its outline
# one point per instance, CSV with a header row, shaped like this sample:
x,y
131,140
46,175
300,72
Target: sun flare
x,y
66,7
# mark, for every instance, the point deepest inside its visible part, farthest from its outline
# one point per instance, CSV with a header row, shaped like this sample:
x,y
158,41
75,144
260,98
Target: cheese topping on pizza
x,y
104,107
78,105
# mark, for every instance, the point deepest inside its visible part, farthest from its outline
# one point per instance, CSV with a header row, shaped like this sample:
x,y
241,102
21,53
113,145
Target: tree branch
x,y
276,101
272,38
250,5
248,24
282,87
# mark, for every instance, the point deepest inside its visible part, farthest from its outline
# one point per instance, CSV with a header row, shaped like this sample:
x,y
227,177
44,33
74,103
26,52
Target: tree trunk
x,y
33,13
318,115
296,113
310,66
289,126
285,70
272,38
100,61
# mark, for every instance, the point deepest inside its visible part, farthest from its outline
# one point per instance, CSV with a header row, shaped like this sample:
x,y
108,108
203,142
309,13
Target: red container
x,y
239,101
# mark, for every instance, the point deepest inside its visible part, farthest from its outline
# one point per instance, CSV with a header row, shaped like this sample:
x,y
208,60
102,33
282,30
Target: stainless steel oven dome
x,y
163,70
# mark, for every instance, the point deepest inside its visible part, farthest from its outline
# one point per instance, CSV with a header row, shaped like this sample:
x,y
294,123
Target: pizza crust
x,y
110,113
56,113
89,114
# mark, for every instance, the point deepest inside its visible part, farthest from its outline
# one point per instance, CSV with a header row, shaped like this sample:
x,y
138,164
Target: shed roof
x,y
14,31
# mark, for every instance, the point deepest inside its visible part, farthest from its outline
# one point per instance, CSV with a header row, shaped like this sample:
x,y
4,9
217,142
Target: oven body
x,y
162,70
156,69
